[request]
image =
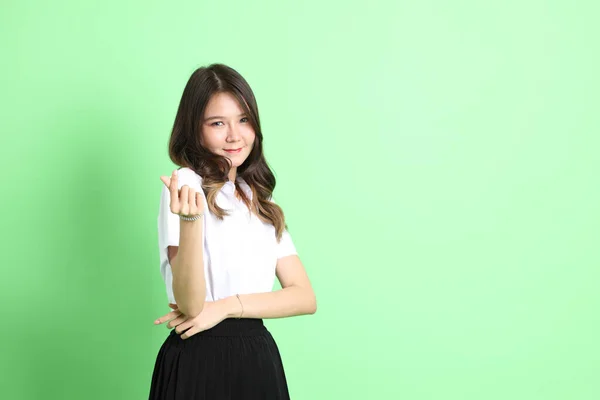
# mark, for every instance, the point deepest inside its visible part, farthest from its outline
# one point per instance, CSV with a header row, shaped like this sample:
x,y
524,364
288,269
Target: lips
x,y
233,150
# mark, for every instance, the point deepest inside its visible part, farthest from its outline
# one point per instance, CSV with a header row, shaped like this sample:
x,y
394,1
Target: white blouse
x,y
240,251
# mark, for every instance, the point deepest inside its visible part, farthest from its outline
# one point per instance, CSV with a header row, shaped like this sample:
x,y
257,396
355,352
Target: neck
x,y
232,174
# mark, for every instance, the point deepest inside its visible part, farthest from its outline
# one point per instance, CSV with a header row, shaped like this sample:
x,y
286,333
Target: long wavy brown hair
x,y
186,150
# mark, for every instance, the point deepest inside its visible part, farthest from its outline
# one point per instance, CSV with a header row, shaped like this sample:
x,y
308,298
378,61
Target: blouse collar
x,y
229,187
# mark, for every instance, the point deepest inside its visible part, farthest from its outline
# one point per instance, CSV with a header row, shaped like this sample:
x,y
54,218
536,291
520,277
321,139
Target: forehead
x,y
223,104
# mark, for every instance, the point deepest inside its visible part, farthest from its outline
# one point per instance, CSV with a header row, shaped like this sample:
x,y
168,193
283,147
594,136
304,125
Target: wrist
x,y
191,218
232,307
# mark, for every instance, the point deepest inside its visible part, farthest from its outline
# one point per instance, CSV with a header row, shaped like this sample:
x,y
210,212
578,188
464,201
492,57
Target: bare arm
x,y
187,266
296,296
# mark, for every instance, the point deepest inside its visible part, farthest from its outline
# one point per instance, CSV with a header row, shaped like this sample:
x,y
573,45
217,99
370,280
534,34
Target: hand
x,y
212,313
185,201
174,317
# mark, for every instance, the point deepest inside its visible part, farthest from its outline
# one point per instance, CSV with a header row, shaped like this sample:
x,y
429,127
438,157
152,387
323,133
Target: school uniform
x,y
238,358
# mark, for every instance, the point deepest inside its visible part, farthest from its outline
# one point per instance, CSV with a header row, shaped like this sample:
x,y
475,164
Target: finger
x,y
199,201
173,306
187,324
176,322
184,206
166,180
174,192
189,333
192,201
167,317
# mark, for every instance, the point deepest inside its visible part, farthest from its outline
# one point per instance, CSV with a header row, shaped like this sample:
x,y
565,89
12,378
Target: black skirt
x,y
237,359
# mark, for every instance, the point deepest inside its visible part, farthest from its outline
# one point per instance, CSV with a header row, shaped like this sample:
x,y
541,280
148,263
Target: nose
x,y
233,134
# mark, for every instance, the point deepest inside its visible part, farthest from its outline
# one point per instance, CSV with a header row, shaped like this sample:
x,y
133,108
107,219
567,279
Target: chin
x,y
236,162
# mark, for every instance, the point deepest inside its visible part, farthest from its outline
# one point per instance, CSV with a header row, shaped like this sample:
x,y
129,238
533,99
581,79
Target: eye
x,y
218,122
245,118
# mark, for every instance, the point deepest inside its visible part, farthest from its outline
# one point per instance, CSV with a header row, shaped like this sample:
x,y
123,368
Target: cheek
x,y
211,139
250,136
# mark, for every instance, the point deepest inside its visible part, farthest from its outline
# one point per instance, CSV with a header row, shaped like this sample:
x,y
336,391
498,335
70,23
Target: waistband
x,y
235,327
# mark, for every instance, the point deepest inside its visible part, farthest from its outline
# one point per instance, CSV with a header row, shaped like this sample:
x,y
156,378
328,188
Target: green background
x,y
436,160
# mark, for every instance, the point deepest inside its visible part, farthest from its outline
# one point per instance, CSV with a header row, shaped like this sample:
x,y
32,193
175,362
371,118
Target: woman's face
x,y
226,130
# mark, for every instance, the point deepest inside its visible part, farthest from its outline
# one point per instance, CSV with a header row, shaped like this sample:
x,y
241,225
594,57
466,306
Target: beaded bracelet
x,y
194,218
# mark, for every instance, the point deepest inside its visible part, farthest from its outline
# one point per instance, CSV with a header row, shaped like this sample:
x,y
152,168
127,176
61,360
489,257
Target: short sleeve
x,y
168,223
286,247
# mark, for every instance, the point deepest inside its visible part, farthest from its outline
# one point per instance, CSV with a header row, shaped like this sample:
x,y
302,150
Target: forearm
x,y
287,302
189,285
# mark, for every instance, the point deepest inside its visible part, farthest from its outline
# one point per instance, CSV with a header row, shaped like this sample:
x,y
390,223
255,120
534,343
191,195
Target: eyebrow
x,y
220,117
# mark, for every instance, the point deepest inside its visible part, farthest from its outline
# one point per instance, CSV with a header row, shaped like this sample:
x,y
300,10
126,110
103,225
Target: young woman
x,y
222,242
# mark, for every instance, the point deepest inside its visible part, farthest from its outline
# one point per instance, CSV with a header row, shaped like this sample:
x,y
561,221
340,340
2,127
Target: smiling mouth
x,y
233,150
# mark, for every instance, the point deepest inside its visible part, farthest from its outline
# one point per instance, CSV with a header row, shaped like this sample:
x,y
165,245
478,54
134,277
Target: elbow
x,y
312,304
195,311
190,300
192,310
